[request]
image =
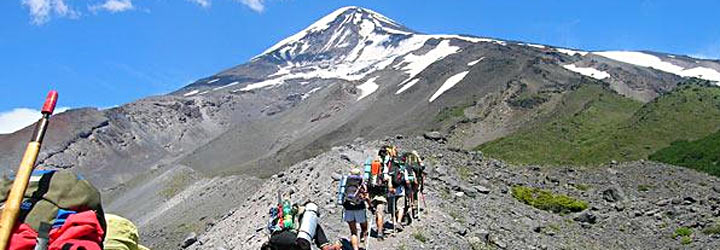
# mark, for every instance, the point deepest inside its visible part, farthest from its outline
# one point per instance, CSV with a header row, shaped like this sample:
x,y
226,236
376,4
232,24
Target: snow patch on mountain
x,y
703,73
367,88
448,84
191,93
306,95
571,52
532,45
227,85
414,64
651,61
591,72
475,62
213,80
468,39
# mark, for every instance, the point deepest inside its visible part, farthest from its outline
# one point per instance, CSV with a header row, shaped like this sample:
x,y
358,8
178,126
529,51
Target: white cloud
x,y
42,10
16,119
256,5
202,3
113,6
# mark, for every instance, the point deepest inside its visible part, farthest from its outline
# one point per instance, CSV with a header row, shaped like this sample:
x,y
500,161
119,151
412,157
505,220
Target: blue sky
x,y
102,53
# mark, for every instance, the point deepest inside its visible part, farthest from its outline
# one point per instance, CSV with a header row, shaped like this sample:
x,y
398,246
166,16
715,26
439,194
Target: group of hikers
x,y
390,183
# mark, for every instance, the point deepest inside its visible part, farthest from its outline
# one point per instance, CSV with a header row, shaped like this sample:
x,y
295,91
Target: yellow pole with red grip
x,y
12,204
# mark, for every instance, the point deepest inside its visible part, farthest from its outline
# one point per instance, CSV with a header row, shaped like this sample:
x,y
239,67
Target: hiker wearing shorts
x,y
355,213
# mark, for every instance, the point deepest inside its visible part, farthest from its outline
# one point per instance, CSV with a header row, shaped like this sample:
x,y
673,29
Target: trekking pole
x,y
12,204
367,238
394,209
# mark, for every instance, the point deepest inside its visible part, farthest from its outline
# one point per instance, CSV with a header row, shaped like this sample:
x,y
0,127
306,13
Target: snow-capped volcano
x,y
350,43
337,33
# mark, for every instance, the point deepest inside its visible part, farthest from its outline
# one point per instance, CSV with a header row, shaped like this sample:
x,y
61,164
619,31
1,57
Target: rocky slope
x,y
635,205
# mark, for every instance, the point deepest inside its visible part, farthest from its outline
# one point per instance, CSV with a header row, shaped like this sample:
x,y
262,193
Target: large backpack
x,y
353,184
415,169
395,170
52,196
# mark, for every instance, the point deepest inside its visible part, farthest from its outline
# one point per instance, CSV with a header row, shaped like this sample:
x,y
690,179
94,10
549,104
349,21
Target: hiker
x,y
397,188
60,210
353,202
121,234
416,176
377,189
294,227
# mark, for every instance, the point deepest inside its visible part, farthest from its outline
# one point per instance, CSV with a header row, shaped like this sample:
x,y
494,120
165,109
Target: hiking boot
x,y
380,236
399,227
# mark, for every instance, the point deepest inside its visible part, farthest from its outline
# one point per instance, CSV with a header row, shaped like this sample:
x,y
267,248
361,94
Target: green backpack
x,y
51,193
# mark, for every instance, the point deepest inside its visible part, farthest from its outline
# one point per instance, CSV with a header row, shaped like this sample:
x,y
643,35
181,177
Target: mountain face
x,y
353,73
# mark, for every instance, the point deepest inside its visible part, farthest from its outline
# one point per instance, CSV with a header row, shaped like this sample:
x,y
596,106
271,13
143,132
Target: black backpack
x,y
352,195
396,173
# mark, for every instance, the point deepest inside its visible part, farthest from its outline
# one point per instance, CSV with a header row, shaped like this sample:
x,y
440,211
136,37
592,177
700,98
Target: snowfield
x,y
367,88
571,52
651,61
591,72
414,64
448,84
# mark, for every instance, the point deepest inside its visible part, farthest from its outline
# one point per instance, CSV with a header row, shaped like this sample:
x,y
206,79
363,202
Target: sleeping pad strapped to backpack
x,y
61,204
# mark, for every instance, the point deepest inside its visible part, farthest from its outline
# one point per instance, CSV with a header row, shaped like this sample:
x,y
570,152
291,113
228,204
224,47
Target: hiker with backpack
x,y
354,199
377,190
397,188
416,177
295,227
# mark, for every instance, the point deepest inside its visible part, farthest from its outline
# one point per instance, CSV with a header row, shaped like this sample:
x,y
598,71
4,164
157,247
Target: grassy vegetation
x,y
451,113
456,216
582,187
714,229
546,200
682,231
464,172
702,154
594,125
643,188
685,240
176,184
418,235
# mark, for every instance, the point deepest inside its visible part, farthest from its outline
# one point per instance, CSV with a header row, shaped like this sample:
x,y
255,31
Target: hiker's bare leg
x,y
363,230
379,210
353,234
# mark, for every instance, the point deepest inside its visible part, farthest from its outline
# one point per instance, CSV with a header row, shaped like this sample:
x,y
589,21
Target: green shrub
x,y
643,188
682,231
546,200
451,113
419,236
685,240
714,229
582,187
